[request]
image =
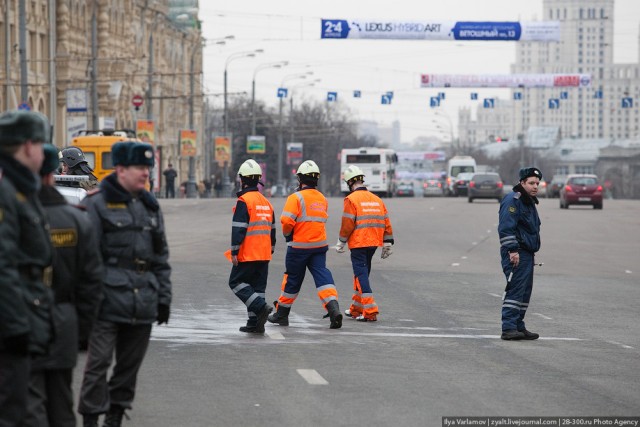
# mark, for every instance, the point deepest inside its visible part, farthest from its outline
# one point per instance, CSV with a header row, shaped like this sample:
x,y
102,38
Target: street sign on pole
x,y
137,101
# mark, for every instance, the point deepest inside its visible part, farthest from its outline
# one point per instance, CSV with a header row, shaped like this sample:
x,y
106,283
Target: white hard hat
x,y
352,171
250,168
308,167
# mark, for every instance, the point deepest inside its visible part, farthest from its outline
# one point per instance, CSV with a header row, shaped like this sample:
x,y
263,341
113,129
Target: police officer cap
x,y
18,127
51,160
529,172
71,156
131,153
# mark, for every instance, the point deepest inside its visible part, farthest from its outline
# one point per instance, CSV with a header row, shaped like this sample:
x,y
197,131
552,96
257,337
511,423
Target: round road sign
x,y
137,100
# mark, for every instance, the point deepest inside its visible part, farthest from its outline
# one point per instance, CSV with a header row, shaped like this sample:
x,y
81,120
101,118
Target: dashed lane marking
x,y
409,335
543,316
274,335
495,295
628,347
312,376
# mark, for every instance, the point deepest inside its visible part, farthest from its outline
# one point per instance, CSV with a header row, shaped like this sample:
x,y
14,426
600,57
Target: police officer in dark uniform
x,y
74,163
136,284
25,259
77,288
519,231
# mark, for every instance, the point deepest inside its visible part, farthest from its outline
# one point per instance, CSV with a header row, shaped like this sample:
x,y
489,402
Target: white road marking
x,y
463,257
274,335
495,295
455,264
628,347
474,243
409,335
628,271
312,376
543,316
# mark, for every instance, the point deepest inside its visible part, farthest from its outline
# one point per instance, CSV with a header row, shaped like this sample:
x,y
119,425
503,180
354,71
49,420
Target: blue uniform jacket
x,y
519,223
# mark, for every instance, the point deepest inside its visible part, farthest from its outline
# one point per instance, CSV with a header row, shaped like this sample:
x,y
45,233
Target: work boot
x,y
281,316
529,335
248,329
90,420
114,416
512,335
363,318
262,318
334,314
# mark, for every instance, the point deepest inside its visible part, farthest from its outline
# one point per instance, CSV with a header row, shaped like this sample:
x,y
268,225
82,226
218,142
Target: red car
x,y
581,189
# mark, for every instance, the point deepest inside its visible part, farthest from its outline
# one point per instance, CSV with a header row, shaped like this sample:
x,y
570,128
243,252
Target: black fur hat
x,y
51,159
129,153
18,127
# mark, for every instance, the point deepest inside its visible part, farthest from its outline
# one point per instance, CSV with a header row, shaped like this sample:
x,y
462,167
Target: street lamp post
x,y
291,133
225,122
280,136
253,89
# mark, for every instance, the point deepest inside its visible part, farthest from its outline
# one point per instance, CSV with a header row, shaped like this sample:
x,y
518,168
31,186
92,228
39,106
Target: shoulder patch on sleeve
x,y
517,195
512,209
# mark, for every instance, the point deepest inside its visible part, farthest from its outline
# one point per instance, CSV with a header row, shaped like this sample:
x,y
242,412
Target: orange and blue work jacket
x,y
253,230
304,219
365,221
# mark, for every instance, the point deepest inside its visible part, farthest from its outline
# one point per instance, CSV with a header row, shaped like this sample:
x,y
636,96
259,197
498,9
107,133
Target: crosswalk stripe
x,y
312,376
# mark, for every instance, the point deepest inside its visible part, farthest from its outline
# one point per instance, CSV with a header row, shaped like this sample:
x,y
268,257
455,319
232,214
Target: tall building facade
x,y
105,52
586,46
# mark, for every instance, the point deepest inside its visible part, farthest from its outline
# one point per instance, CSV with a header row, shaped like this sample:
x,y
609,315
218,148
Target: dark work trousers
x,y
171,190
50,399
130,343
297,262
516,301
248,280
14,386
361,262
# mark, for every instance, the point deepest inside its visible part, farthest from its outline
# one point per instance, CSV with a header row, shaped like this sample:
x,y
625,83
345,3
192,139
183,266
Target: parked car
x,y
553,188
581,189
461,183
432,187
405,190
486,185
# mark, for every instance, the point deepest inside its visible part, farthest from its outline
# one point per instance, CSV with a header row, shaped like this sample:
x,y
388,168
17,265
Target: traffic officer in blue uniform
x,y
136,284
519,232
77,289
25,259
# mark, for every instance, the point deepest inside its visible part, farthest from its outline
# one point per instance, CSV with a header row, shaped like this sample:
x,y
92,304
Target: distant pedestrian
x,y
218,187
304,219
170,175
253,239
365,227
519,232
25,260
136,283
77,289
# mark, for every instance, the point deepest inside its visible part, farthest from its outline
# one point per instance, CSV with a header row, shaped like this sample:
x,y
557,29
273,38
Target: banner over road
x,y
505,80
546,31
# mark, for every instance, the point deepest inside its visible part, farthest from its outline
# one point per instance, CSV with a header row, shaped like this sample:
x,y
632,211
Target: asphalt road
x,y
435,350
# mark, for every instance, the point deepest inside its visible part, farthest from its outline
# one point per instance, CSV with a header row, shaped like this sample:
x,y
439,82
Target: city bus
x,y
378,165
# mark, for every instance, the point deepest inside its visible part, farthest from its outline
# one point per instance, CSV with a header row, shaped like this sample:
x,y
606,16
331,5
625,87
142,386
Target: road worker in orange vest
x,y
253,238
303,221
365,227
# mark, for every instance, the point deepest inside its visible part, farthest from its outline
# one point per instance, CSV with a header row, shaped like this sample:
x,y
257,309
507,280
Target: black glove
x,y
163,314
17,344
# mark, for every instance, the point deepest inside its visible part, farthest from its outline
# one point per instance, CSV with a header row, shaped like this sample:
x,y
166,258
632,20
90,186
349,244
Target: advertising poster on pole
x,y
188,142
223,150
256,144
145,131
294,153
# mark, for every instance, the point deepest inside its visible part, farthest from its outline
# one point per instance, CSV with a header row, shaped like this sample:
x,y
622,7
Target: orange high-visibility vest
x,y
305,216
365,221
256,245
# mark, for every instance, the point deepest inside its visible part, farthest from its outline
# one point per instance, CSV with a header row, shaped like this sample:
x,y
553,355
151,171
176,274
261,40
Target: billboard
x,y
294,153
222,146
188,139
145,131
256,144
505,80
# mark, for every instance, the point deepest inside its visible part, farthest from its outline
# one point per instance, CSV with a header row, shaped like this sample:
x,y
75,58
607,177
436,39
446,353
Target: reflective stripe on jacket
x,y
253,227
303,219
365,221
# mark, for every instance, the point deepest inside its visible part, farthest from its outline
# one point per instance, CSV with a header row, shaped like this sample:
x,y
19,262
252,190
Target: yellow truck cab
x,y
96,146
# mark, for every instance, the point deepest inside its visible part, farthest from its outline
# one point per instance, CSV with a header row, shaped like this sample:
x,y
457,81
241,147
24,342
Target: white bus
x,y
378,165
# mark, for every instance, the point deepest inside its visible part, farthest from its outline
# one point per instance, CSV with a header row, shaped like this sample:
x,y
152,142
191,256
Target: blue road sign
x,y
517,96
627,102
597,94
24,106
487,31
357,94
282,92
390,94
564,95
554,103
386,99
488,103
435,102
332,96
441,95
474,96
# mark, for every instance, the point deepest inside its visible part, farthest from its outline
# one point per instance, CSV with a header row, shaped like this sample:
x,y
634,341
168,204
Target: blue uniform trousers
x,y
516,301
248,280
361,262
297,261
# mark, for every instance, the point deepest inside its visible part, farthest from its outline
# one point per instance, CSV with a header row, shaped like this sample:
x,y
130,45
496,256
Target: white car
x,y
69,187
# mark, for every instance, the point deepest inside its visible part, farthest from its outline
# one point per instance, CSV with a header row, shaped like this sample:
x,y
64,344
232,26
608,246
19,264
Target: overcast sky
x,y
289,30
